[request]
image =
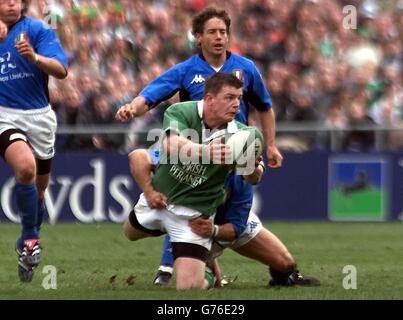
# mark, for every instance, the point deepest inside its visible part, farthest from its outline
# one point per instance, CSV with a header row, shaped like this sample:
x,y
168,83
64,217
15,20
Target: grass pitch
x,y
96,262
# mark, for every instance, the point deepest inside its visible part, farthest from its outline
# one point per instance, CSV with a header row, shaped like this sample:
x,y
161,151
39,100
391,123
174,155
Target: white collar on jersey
x,y
216,69
232,127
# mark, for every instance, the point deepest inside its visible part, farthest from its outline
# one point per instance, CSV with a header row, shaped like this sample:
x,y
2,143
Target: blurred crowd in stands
x,y
323,71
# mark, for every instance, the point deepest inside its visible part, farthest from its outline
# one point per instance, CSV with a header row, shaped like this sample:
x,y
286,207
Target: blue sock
x,y
167,259
40,214
27,202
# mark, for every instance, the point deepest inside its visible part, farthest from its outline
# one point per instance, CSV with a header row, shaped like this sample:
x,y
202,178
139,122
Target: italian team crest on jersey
x,y
238,73
21,36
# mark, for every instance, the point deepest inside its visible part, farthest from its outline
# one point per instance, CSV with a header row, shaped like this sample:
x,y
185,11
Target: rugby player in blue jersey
x,y
211,28
30,52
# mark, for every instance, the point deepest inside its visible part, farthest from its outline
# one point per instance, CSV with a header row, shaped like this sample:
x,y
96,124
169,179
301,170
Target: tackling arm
x,y
256,176
204,228
226,232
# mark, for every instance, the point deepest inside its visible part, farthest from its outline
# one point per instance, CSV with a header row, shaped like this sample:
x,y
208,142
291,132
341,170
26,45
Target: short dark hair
x,y
201,18
217,81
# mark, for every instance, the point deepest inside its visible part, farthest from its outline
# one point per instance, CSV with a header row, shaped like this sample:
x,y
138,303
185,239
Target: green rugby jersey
x,y
194,185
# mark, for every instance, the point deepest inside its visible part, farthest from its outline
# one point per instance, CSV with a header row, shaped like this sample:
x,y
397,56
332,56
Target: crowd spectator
x,y
318,69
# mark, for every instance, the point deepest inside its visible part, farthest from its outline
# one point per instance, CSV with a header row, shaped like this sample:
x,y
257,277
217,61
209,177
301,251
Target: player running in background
x,y
29,52
211,28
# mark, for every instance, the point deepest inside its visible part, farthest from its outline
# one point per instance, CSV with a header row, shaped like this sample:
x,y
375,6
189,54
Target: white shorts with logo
x,y
39,127
173,220
253,227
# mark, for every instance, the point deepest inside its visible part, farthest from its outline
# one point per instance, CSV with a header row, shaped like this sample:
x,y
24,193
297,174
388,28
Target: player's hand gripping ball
x,y
246,146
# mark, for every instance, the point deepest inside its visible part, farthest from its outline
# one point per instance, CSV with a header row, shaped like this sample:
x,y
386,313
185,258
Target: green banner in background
x,y
358,188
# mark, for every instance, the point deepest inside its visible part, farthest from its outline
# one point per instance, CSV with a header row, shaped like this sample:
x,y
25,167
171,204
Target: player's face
x,y
226,103
10,11
214,39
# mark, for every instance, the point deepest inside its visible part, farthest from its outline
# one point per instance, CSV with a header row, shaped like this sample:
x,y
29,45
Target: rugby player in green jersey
x,y
193,187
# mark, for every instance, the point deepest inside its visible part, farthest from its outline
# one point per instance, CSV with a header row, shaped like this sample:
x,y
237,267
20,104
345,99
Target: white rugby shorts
x,y
253,227
173,220
39,126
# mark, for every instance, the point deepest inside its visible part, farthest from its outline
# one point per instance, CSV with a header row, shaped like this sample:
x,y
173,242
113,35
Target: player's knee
x,y
26,173
132,233
129,231
190,283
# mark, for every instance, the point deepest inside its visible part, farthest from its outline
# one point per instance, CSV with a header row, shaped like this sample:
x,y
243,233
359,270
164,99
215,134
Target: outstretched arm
x,y
160,89
136,108
256,176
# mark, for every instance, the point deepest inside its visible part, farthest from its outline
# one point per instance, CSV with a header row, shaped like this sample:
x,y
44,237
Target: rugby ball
x,y
246,145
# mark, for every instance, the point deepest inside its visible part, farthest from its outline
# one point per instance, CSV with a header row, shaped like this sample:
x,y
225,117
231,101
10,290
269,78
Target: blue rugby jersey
x,y
237,206
22,84
188,78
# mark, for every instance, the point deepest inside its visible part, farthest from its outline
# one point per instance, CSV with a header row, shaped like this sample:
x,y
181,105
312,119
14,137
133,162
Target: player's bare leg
x,y
132,233
19,156
269,250
189,273
42,182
